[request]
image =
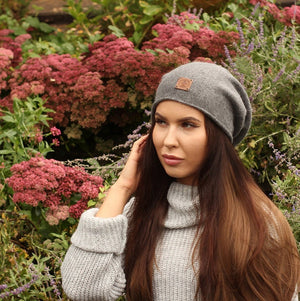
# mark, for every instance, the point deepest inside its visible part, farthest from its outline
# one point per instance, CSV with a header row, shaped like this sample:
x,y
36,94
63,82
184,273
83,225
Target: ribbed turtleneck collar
x,y
181,212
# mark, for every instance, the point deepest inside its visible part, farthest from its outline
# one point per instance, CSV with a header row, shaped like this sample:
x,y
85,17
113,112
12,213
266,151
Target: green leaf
x,y
136,37
91,203
192,26
116,31
8,118
6,152
233,7
34,22
146,20
152,10
46,28
11,133
206,17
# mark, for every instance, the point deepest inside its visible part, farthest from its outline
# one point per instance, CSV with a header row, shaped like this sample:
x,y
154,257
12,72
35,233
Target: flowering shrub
x,y
267,63
133,74
112,73
30,266
52,77
286,15
63,190
24,133
286,183
187,30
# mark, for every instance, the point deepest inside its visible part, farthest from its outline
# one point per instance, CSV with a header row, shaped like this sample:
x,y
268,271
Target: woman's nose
x,y
170,139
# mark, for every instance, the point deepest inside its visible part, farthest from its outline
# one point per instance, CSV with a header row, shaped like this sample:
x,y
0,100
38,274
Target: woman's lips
x,y
171,160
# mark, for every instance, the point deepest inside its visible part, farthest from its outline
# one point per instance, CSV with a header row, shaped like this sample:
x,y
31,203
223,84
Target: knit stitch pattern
x,y
93,266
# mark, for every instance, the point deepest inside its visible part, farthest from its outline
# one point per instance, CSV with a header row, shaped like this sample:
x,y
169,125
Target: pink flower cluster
x,y
201,43
6,57
53,185
51,77
285,15
13,44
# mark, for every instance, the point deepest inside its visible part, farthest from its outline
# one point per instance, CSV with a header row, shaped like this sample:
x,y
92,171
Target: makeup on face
x,y
180,140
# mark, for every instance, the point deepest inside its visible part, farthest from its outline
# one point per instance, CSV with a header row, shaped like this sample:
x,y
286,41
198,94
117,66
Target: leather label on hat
x,y
184,84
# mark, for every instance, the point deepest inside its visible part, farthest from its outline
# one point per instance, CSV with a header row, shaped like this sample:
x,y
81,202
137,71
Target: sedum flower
x,y
50,184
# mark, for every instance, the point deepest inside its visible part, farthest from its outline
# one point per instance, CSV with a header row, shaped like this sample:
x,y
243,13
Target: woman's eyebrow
x,y
184,119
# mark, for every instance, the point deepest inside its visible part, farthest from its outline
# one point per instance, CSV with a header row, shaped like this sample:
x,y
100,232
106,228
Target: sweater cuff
x,y
100,235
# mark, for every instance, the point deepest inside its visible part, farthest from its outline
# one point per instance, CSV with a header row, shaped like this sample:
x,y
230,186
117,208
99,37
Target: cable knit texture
x,y
93,266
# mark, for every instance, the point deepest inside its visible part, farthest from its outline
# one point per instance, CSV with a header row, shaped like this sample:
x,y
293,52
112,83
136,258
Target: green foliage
x,y
19,129
286,183
21,136
19,8
131,18
267,62
30,268
26,23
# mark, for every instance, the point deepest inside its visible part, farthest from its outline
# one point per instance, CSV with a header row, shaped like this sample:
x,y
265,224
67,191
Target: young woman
x,y
198,227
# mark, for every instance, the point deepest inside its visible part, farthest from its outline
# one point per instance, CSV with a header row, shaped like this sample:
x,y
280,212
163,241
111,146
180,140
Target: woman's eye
x,y
160,121
188,125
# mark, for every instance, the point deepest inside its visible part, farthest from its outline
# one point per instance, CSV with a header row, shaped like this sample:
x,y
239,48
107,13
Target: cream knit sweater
x,y
92,269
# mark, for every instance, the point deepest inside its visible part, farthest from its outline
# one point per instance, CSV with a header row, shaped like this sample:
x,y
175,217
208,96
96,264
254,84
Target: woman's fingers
x,y
138,145
129,174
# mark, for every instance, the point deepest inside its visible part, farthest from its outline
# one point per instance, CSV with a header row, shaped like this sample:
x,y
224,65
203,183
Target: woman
x,y
198,228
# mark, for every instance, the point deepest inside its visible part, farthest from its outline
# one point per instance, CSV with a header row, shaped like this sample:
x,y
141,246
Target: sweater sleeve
x,y
92,268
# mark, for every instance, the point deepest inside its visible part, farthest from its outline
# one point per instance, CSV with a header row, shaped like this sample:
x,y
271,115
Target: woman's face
x,y
180,140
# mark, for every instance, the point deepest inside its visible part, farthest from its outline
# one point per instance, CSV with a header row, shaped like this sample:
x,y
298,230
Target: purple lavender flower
x,y
250,48
242,37
279,74
294,73
279,44
23,288
293,39
240,76
147,112
53,283
255,8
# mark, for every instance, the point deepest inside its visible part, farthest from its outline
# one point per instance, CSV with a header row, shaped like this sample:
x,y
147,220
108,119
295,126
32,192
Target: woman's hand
x,y
129,176
125,186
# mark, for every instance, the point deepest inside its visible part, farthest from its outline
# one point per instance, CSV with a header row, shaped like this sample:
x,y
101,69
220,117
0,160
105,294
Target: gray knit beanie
x,y
211,89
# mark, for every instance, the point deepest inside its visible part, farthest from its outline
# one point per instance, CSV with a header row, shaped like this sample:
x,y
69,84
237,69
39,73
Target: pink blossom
x,y
285,15
22,38
55,142
5,32
51,219
6,53
62,212
77,209
38,136
52,185
292,13
55,131
37,87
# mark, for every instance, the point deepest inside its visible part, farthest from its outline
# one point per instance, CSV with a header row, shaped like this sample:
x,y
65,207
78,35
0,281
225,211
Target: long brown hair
x,y
244,247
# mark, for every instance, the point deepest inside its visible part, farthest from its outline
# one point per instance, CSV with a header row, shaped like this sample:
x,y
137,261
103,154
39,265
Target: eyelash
x,y
159,121
184,124
189,124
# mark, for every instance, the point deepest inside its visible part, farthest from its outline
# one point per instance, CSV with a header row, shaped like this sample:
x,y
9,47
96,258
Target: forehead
x,y
177,109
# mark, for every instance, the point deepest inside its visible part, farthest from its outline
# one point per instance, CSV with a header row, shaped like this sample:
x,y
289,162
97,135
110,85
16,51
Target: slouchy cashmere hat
x,y
211,89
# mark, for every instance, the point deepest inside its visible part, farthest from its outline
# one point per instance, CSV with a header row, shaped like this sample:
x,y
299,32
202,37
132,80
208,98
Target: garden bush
x,y
79,89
